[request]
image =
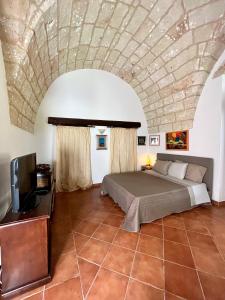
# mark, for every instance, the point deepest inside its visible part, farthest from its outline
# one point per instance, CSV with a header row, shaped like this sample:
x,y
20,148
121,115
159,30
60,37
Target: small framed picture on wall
x,y
154,140
101,142
141,140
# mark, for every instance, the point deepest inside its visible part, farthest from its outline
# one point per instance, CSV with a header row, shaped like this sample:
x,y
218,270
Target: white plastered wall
x,y
88,94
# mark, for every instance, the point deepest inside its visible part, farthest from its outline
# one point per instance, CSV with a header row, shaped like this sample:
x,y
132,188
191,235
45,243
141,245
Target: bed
x,y
147,196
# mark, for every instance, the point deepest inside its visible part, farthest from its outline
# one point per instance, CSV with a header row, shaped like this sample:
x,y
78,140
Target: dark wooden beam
x,y
91,123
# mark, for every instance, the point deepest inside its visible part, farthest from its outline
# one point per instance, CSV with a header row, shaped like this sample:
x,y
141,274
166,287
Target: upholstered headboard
x,y
202,161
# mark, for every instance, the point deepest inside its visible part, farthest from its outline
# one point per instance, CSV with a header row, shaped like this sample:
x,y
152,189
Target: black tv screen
x,y
23,181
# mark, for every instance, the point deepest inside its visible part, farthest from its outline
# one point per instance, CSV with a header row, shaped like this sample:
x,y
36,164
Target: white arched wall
x,y
207,137
88,94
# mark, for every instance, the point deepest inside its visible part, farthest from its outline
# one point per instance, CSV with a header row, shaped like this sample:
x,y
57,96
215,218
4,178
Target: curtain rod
x,y
91,123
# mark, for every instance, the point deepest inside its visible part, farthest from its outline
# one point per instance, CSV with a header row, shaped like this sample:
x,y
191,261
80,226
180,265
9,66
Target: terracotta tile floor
x,y
179,257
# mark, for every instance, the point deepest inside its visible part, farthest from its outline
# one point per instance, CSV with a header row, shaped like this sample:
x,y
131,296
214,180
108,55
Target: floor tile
x,y
94,251
174,221
148,269
152,229
150,245
213,287
201,240
119,259
158,221
79,241
140,291
67,291
96,216
105,233
61,227
178,253
175,235
38,296
216,227
220,241
86,227
88,272
108,286
75,223
64,268
116,210
182,281
113,220
28,294
190,214
169,296
100,215
126,239
62,244
209,261
195,225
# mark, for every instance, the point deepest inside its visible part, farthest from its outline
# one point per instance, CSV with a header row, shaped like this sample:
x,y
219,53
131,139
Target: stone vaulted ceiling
x,y
164,49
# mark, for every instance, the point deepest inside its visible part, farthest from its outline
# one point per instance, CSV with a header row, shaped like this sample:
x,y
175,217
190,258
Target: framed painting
x,y
177,140
141,140
101,142
154,140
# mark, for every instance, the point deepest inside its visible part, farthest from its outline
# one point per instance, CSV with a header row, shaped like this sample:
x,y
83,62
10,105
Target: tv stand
x,y
25,247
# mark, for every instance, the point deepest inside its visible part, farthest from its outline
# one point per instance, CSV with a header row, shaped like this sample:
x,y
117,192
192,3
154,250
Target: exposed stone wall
x,y
220,71
164,49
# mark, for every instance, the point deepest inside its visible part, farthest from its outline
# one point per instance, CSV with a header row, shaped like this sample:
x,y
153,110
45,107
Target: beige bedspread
x,y
145,198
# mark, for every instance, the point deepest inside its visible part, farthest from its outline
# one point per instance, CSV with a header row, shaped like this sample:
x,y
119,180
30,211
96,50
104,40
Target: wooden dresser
x,y
25,247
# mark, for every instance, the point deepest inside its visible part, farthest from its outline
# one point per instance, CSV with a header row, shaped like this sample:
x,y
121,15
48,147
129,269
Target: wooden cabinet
x,y
25,249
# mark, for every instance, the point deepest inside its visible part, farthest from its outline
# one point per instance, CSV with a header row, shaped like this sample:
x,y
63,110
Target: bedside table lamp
x,y
150,160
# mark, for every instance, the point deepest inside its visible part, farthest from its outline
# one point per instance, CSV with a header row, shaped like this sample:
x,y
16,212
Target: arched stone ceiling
x,y
164,49
220,71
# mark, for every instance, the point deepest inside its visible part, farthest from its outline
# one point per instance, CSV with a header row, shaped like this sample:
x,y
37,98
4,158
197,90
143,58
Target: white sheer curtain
x,y
73,158
123,150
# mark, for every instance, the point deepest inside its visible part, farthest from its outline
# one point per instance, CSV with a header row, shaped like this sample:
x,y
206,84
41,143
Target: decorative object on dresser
x,y
101,142
141,140
177,140
154,140
44,177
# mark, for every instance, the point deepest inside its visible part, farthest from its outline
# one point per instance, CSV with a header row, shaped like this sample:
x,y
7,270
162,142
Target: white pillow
x,y
177,170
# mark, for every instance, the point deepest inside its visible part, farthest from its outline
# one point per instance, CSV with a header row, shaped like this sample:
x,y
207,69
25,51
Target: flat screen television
x,y
23,182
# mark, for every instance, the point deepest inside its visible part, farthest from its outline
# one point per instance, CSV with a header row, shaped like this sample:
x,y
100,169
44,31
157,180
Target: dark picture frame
x,y
154,140
141,140
101,142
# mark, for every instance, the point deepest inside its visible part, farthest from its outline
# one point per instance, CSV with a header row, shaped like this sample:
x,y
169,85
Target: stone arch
x,y
163,49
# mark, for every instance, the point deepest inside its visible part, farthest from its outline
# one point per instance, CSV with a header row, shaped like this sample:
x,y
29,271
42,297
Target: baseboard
x,y
218,203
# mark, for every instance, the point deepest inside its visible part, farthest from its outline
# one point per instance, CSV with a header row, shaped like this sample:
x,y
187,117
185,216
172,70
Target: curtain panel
x,y
123,150
73,158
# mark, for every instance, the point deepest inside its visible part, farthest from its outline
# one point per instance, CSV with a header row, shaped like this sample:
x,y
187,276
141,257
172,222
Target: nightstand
x,y
146,167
